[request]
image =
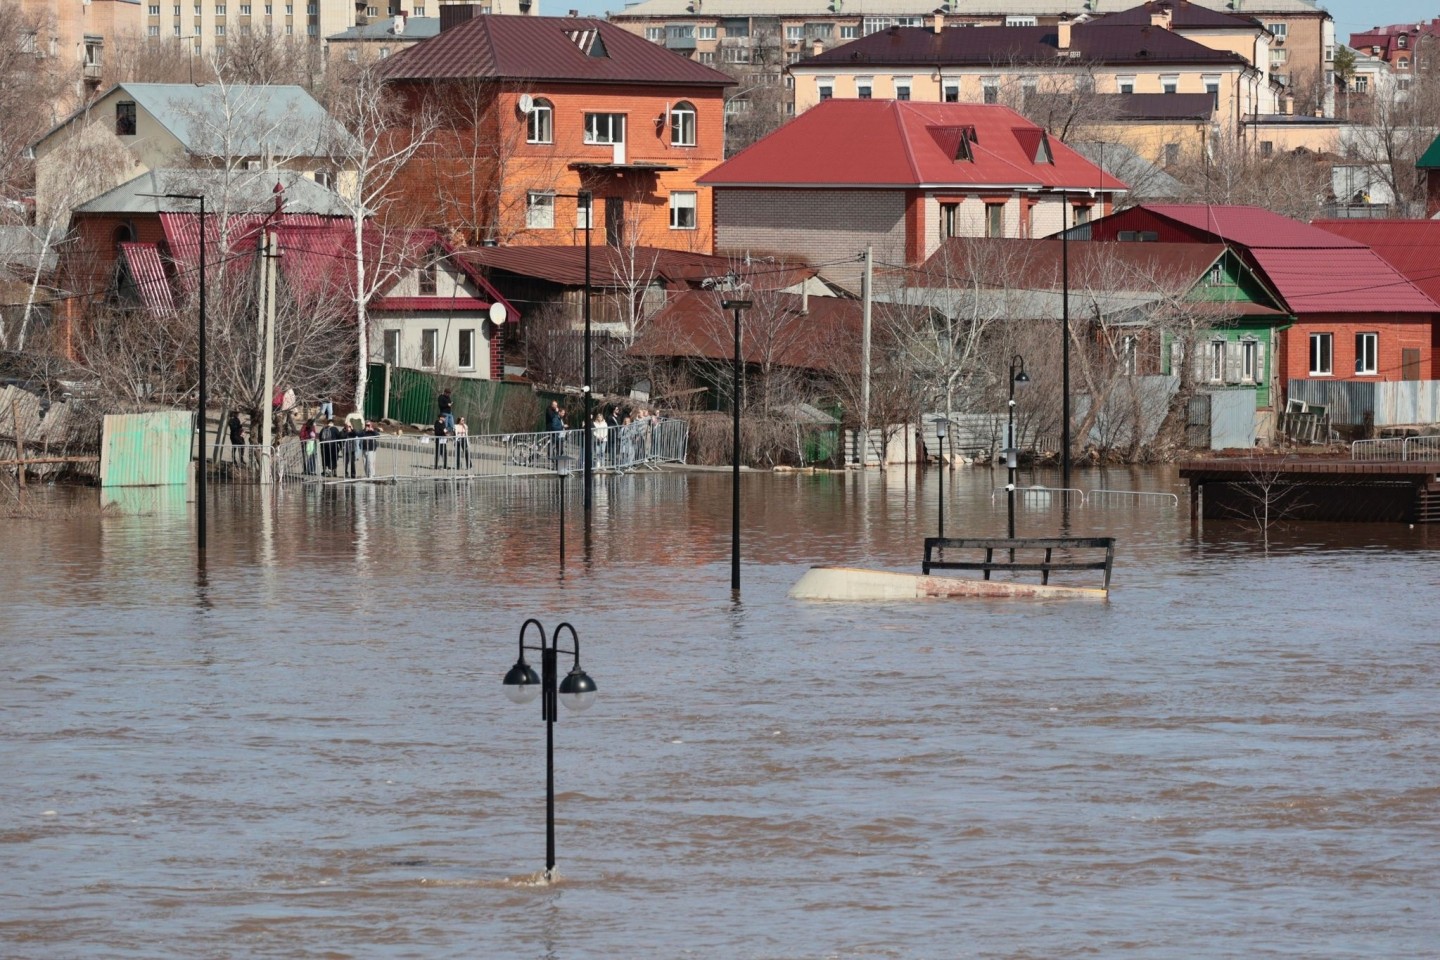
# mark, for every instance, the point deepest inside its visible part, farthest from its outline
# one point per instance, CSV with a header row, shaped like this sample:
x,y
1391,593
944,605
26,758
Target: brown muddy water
x,y
307,752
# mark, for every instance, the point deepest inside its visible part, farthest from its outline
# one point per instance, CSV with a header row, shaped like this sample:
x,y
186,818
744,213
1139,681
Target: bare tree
x,y
1296,184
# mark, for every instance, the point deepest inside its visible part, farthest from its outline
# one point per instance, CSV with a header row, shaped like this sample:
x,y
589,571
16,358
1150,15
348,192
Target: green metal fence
x,y
488,406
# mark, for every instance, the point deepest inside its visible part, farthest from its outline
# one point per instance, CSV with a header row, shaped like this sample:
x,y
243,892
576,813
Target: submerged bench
x,y
1008,560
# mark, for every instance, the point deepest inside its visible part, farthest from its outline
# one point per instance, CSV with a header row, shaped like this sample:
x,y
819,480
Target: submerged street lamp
x,y
942,428
739,307
562,470
576,691
1012,451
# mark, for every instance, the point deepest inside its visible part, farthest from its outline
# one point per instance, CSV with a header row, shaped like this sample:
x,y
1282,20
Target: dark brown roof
x,y
558,49
611,266
1184,15
1039,264
1090,42
694,325
1199,107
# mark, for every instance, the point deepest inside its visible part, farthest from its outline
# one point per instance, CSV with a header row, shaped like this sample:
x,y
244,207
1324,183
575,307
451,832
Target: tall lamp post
x,y
203,399
586,200
576,691
1012,452
562,470
739,307
942,429
1064,341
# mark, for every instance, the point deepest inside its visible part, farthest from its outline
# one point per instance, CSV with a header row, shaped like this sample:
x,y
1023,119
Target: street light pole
x,y
588,199
203,399
1012,453
1064,341
576,691
739,307
942,426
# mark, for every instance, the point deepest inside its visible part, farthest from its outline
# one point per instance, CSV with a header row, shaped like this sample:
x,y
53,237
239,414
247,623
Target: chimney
x,y
817,48
573,13
454,14
1161,16
1062,34
805,298
1289,103
399,27
939,22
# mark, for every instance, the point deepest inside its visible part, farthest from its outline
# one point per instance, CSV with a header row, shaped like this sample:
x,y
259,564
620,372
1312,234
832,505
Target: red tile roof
x,y
1089,42
1314,270
894,143
147,269
1252,227
1340,280
1410,246
563,49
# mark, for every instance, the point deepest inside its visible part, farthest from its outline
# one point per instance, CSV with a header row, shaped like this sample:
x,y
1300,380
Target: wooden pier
x,y
1315,488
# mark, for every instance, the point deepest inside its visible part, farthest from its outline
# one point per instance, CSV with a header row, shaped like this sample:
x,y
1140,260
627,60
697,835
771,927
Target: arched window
x,y
123,234
682,124
540,124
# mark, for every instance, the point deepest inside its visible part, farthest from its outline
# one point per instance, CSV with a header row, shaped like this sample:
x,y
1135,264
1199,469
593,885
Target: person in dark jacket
x,y
237,438
447,409
442,435
330,439
350,445
368,446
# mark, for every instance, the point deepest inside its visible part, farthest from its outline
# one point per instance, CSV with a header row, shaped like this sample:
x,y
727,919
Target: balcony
x,y
93,70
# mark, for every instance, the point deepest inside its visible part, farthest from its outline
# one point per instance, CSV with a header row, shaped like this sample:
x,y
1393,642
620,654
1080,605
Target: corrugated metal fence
x,y
488,406
146,449
1391,403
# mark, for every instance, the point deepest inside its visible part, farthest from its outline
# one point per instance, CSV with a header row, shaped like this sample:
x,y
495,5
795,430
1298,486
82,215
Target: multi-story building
x,y
537,112
923,172
378,40
79,36
1405,47
759,37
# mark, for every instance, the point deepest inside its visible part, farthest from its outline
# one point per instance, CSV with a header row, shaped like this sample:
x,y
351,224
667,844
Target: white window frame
x,y
1249,360
1170,83
1322,354
824,88
705,32
947,87
848,31
1215,361
600,128
989,89
683,124
465,343
540,122
429,348
794,32
902,87
584,210
540,210
1280,30
1367,354
1125,84
1021,21
681,202
864,88
390,347
655,34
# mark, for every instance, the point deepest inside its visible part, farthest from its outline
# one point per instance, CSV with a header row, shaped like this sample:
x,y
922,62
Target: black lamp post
x,y
562,470
739,306
1012,452
576,691
586,199
942,428
1064,341
203,399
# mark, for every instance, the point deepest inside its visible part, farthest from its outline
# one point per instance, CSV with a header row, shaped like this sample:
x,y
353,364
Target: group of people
x,y
332,444
447,428
617,439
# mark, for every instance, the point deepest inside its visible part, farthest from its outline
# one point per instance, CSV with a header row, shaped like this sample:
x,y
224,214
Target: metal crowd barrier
x,y
1396,449
1046,496
636,446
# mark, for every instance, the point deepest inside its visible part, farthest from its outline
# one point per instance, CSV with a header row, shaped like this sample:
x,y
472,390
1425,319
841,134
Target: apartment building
x,y
759,38
76,36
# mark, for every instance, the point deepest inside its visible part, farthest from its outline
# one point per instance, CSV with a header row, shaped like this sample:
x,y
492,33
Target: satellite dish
x,y
526,103
498,313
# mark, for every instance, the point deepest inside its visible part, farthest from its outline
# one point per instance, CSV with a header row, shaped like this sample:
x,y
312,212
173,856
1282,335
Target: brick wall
x,y
822,226
1394,337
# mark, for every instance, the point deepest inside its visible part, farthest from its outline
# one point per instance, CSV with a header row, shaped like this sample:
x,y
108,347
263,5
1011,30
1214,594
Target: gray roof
x,y
236,120
21,248
1146,179
247,191
689,9
416,28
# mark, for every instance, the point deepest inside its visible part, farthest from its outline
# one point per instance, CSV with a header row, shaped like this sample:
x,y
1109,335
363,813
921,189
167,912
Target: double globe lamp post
x,y
576,691
1018,377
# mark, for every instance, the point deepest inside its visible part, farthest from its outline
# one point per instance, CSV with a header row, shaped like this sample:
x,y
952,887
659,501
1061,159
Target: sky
x,y
1350,15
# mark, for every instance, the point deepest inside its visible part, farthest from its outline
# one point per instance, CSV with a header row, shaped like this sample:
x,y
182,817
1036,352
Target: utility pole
x,y
268,427
866,295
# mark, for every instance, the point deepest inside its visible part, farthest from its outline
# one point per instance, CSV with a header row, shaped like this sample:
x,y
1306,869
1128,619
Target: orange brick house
x,y
535,110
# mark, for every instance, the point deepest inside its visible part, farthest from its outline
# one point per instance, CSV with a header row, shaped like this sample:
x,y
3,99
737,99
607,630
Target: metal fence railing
x,y
1037,496
636,446
1396,449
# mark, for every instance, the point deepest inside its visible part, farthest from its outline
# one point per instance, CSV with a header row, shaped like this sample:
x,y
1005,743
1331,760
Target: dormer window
x,y
1400,41
1042,152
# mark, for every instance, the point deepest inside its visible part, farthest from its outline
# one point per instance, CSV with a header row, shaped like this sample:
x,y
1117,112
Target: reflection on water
x,y
305,750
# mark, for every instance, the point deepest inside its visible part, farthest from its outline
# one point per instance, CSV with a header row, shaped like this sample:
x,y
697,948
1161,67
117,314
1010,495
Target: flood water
x,y
307,751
